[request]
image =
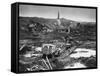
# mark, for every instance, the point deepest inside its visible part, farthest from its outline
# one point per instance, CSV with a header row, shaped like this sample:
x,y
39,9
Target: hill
x,y
33,27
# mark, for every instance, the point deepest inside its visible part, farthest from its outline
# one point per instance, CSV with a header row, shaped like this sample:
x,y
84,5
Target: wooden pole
x,y
22,47
48,62
45,63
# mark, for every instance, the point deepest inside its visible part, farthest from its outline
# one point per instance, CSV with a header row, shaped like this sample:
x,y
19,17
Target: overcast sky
x,y
77,14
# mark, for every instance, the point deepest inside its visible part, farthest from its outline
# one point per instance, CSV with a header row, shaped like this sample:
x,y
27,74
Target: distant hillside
x,y
83,28
51,23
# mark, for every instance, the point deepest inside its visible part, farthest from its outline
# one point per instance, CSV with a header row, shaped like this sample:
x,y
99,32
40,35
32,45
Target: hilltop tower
x,y
58,15
58,19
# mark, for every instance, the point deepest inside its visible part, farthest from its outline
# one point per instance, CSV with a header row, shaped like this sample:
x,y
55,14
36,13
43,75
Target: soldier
x,y
47,52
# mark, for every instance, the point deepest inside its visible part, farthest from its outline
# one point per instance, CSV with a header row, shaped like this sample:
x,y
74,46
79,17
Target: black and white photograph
x,y
56,38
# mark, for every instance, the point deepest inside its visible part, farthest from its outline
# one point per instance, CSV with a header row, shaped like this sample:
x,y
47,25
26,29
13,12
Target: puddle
x,y
82,52
75,65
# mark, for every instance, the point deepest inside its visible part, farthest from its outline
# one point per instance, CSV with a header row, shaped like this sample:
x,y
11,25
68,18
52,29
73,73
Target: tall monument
x,y
58,15
58,19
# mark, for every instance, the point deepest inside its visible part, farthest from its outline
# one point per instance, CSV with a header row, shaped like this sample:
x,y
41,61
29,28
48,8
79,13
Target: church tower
x,y
58,15
58,19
